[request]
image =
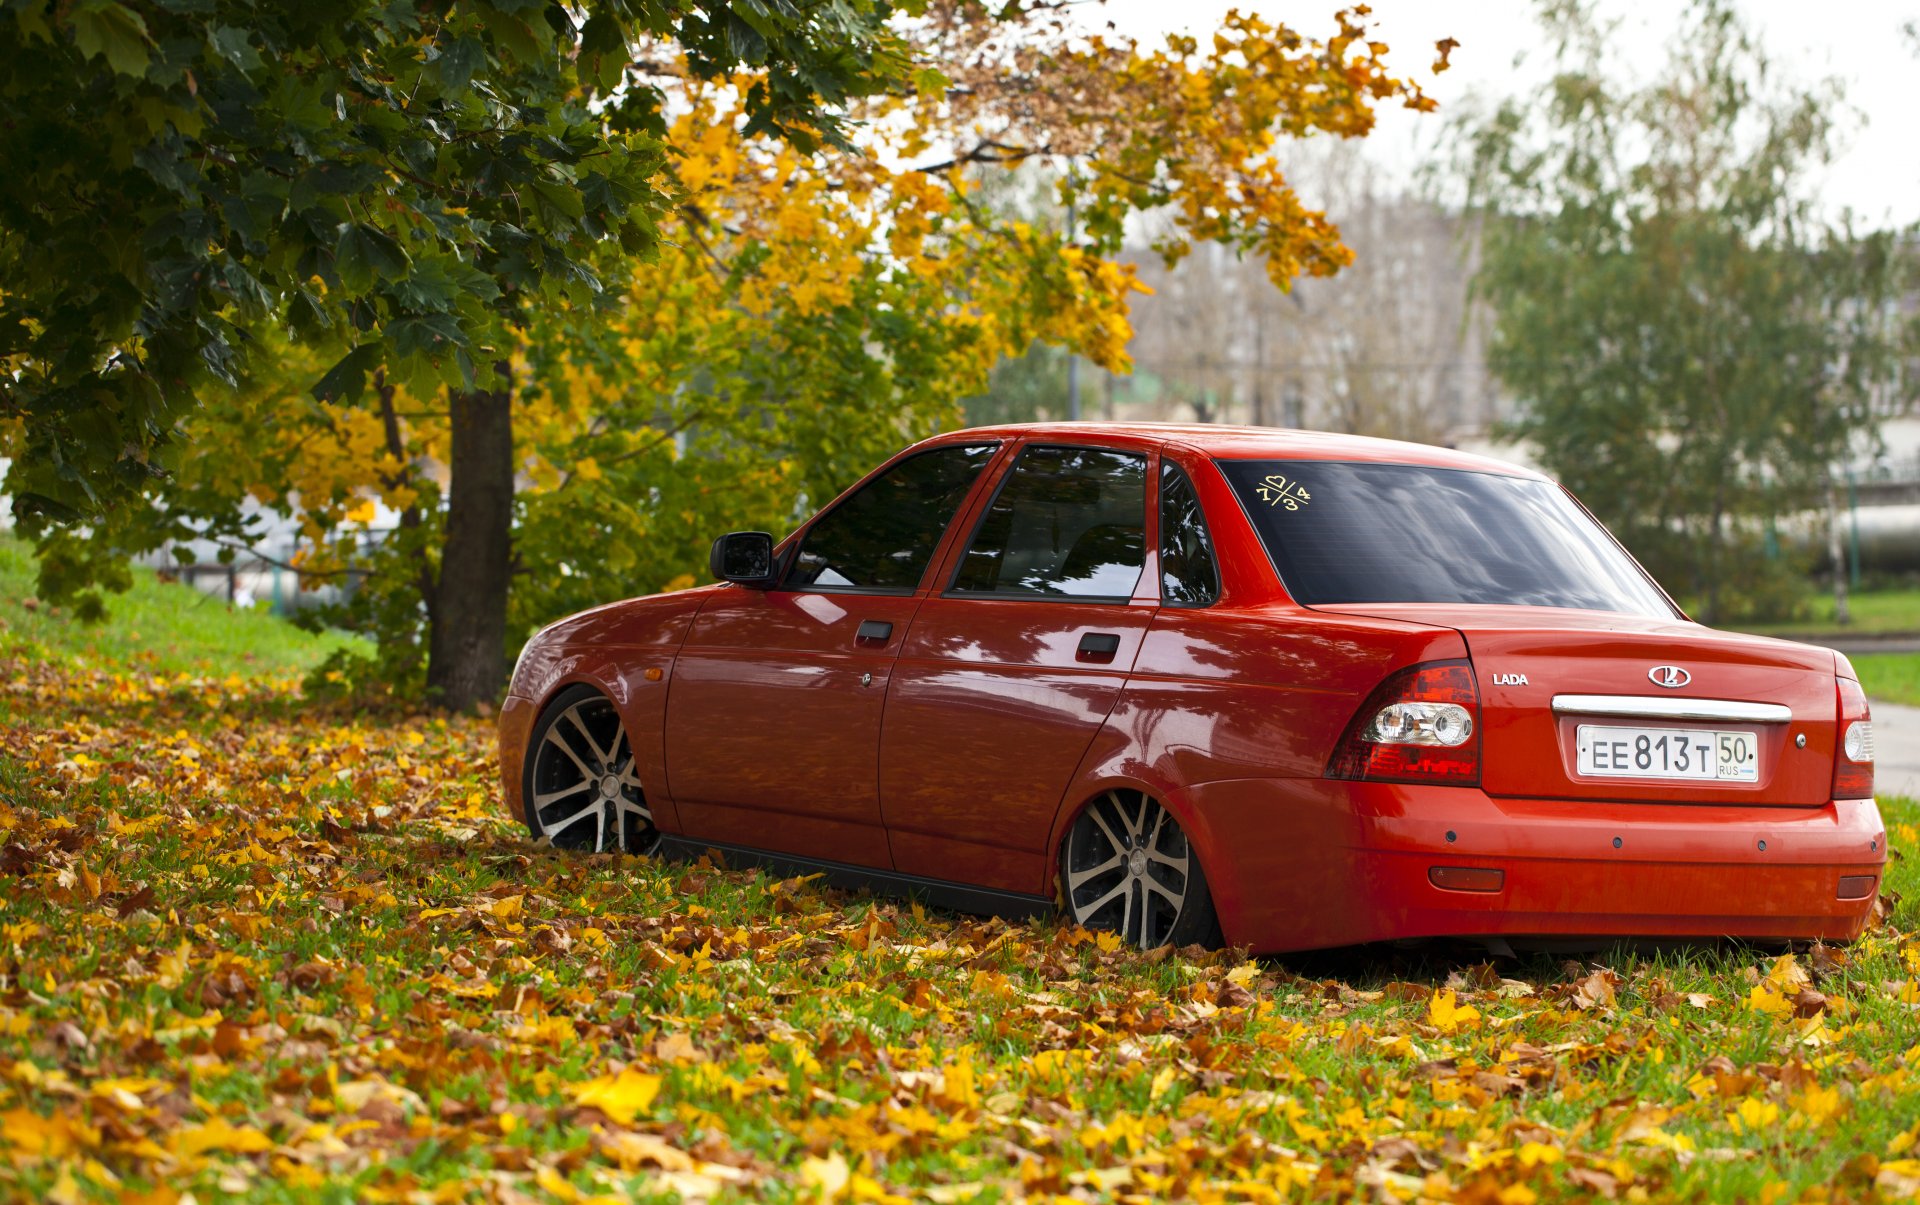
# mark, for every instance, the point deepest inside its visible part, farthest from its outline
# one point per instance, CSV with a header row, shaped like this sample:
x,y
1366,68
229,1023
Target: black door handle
x,y
873,631
1098,646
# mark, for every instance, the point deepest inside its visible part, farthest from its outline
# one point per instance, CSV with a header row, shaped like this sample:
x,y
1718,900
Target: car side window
x,y
1066,522
1189,573
882,536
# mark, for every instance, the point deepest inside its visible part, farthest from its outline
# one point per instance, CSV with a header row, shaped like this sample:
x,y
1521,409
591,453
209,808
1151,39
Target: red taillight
x,y
1420,725
1853,744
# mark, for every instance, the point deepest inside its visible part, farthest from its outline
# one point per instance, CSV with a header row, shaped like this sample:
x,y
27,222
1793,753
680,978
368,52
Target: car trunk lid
x,y
1654,698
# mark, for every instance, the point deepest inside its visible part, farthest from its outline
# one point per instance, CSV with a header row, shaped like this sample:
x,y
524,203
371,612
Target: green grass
x,y
156,626
1871,612
1894,677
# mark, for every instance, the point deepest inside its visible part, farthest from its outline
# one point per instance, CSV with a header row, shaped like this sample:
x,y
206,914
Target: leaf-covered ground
x,y
249,950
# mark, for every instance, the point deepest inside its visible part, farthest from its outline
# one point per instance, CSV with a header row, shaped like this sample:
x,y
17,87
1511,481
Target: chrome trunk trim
x,y
1645,707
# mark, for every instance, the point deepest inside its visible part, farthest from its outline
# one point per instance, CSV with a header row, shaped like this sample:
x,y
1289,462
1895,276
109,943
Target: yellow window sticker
x,y
1277,490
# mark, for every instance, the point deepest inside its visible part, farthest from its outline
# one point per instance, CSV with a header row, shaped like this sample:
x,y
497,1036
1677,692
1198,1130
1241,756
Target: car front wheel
x,y
1128,867
582,789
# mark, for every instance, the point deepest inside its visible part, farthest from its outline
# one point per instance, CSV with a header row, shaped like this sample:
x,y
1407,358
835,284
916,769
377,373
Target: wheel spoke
x,y
1179,864
1147,912
1153,884
1078,878
543,801
1115,842
554,739
638,809
1126,916
580,726
1087,912
554,830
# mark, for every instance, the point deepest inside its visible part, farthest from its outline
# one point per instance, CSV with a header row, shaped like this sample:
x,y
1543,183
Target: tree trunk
x,y
467,634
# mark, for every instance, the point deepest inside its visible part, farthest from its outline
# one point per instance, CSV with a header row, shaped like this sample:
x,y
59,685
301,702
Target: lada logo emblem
x,y
1669,676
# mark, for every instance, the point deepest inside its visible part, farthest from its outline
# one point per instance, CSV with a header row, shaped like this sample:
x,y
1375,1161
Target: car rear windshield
x,y
1342,532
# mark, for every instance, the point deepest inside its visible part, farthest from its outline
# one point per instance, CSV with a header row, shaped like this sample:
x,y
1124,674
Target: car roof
x,y
1225,442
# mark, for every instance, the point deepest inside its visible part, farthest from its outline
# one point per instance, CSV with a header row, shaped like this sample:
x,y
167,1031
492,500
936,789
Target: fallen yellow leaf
x,y
621,1097
219,1135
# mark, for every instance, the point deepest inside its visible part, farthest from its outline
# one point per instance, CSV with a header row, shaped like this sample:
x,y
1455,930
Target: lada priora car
x,y
1195,683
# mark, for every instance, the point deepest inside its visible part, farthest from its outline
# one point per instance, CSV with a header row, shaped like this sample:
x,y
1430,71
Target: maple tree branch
x,y
235,546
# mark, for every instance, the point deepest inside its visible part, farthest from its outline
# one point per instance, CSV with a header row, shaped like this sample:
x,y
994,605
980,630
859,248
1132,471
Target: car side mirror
x,y
745,557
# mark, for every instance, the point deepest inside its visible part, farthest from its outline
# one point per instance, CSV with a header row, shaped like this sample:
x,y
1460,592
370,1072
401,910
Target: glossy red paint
x,y
963,745
775,716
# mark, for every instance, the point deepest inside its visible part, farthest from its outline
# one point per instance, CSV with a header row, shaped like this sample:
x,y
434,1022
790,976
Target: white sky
x,y
1877,175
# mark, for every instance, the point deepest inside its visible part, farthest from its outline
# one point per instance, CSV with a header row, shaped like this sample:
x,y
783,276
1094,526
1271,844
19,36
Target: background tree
x,y
1692,343
801,309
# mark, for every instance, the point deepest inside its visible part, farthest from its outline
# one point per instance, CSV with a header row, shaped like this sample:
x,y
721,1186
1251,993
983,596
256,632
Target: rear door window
x,y
1345,532
1189,574
1066,522
880,538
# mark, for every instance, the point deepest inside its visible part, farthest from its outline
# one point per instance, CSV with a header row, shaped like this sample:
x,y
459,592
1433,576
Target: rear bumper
x,y
1567,868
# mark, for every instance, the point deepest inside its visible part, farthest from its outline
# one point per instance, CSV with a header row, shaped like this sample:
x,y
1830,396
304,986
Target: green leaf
x,y
102,27
563,198
457,63
603,50
231,44
346,380
524,41
365,253
745,42
306,317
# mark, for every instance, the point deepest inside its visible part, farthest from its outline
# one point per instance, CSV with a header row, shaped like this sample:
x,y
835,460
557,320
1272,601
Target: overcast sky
x,y
1858,41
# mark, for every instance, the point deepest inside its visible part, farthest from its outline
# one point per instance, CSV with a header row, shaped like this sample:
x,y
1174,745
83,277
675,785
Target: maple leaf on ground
x,y
622,1097
1447,1014
219,1135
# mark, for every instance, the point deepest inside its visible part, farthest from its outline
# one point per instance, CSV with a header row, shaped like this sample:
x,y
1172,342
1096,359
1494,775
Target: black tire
x,y
1127,867
580,762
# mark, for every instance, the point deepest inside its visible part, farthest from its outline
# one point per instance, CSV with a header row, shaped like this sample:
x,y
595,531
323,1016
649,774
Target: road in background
x,y
1896,749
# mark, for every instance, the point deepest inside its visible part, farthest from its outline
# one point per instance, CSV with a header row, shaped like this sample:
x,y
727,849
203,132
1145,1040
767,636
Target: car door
x,y
773,716
1009,671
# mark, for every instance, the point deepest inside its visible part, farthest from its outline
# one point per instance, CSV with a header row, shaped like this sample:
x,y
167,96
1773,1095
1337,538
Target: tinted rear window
x,y
1341,532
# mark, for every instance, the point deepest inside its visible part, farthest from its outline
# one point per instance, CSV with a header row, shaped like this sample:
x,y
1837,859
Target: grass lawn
x,y
157,626
1875,611
253,950
1894,677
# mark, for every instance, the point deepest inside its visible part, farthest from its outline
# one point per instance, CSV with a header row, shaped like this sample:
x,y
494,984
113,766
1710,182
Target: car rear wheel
x,y
582,789
1127,867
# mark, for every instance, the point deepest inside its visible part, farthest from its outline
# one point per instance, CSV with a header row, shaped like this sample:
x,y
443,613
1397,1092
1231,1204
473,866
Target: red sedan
x,y
1284,689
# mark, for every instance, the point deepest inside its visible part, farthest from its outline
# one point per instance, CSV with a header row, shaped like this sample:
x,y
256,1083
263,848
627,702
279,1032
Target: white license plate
x,y
1731,755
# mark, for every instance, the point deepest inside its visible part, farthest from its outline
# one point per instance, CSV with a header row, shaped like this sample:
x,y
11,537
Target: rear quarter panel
x,y
1244,708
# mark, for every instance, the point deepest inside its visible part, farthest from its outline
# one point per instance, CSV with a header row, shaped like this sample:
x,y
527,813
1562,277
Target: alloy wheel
x,y
584,791
1128,868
